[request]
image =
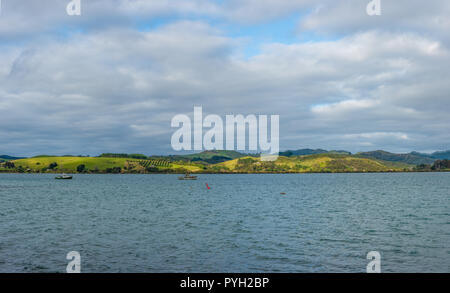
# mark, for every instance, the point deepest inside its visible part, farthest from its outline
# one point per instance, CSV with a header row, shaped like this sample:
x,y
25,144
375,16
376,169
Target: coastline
x,y
304,164
221,173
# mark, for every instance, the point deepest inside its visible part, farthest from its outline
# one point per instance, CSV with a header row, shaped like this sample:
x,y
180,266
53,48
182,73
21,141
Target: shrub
x,y
9,165
53,165
114,170
81,168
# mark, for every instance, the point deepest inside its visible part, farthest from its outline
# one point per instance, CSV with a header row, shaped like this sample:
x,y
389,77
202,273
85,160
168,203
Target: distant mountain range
x,y
306,152
316,163
210,157
9,158
413,158
445,155
219,156
297,161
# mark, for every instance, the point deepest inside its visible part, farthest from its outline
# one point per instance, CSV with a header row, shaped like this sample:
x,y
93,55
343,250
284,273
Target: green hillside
x,y
229,162
98,165
444,155
411,158
4,158
323,163
210,157
304,152
320,163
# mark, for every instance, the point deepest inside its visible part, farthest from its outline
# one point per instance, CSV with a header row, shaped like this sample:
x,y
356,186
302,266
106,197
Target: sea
x,y
293,223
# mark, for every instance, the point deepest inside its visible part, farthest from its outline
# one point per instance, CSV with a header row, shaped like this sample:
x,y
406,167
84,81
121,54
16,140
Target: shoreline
x,y
225,173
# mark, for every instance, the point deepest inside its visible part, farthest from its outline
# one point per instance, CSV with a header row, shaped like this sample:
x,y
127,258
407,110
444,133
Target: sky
x,y
112,78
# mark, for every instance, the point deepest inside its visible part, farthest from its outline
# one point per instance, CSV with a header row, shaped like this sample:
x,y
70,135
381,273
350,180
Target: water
x,y
156,223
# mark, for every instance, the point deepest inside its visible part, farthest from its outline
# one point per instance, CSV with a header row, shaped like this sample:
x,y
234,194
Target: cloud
x,y
256,11
343,107
349,16
379,135
114,87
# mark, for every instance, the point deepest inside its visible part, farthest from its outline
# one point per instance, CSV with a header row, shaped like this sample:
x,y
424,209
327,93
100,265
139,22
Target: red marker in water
x,y
207,186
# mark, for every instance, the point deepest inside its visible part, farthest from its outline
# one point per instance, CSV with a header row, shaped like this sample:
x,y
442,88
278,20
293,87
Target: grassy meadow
x,y
316,163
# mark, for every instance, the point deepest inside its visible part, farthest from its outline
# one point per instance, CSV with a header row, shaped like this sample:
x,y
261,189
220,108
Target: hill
x,y
99,165
9,158
299,161
304,152
444,155
210,157
411,158
319,163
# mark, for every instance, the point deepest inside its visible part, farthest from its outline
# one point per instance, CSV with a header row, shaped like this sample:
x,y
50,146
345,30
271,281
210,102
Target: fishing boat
x,y
187,177
64,176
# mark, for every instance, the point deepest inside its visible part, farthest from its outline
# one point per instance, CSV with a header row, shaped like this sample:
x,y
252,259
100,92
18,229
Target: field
x,y
95,164
318,163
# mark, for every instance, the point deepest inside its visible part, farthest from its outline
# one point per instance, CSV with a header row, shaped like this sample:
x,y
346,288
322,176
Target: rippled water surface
x,y
156,223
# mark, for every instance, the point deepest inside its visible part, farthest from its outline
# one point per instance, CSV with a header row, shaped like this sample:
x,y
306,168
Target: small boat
x,y
187,177
64,176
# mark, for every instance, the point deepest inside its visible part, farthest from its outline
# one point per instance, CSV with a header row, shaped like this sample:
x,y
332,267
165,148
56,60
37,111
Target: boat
x,y
64,176
187,177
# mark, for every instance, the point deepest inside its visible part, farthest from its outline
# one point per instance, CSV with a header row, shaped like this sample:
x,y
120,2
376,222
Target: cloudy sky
x,y
111,79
